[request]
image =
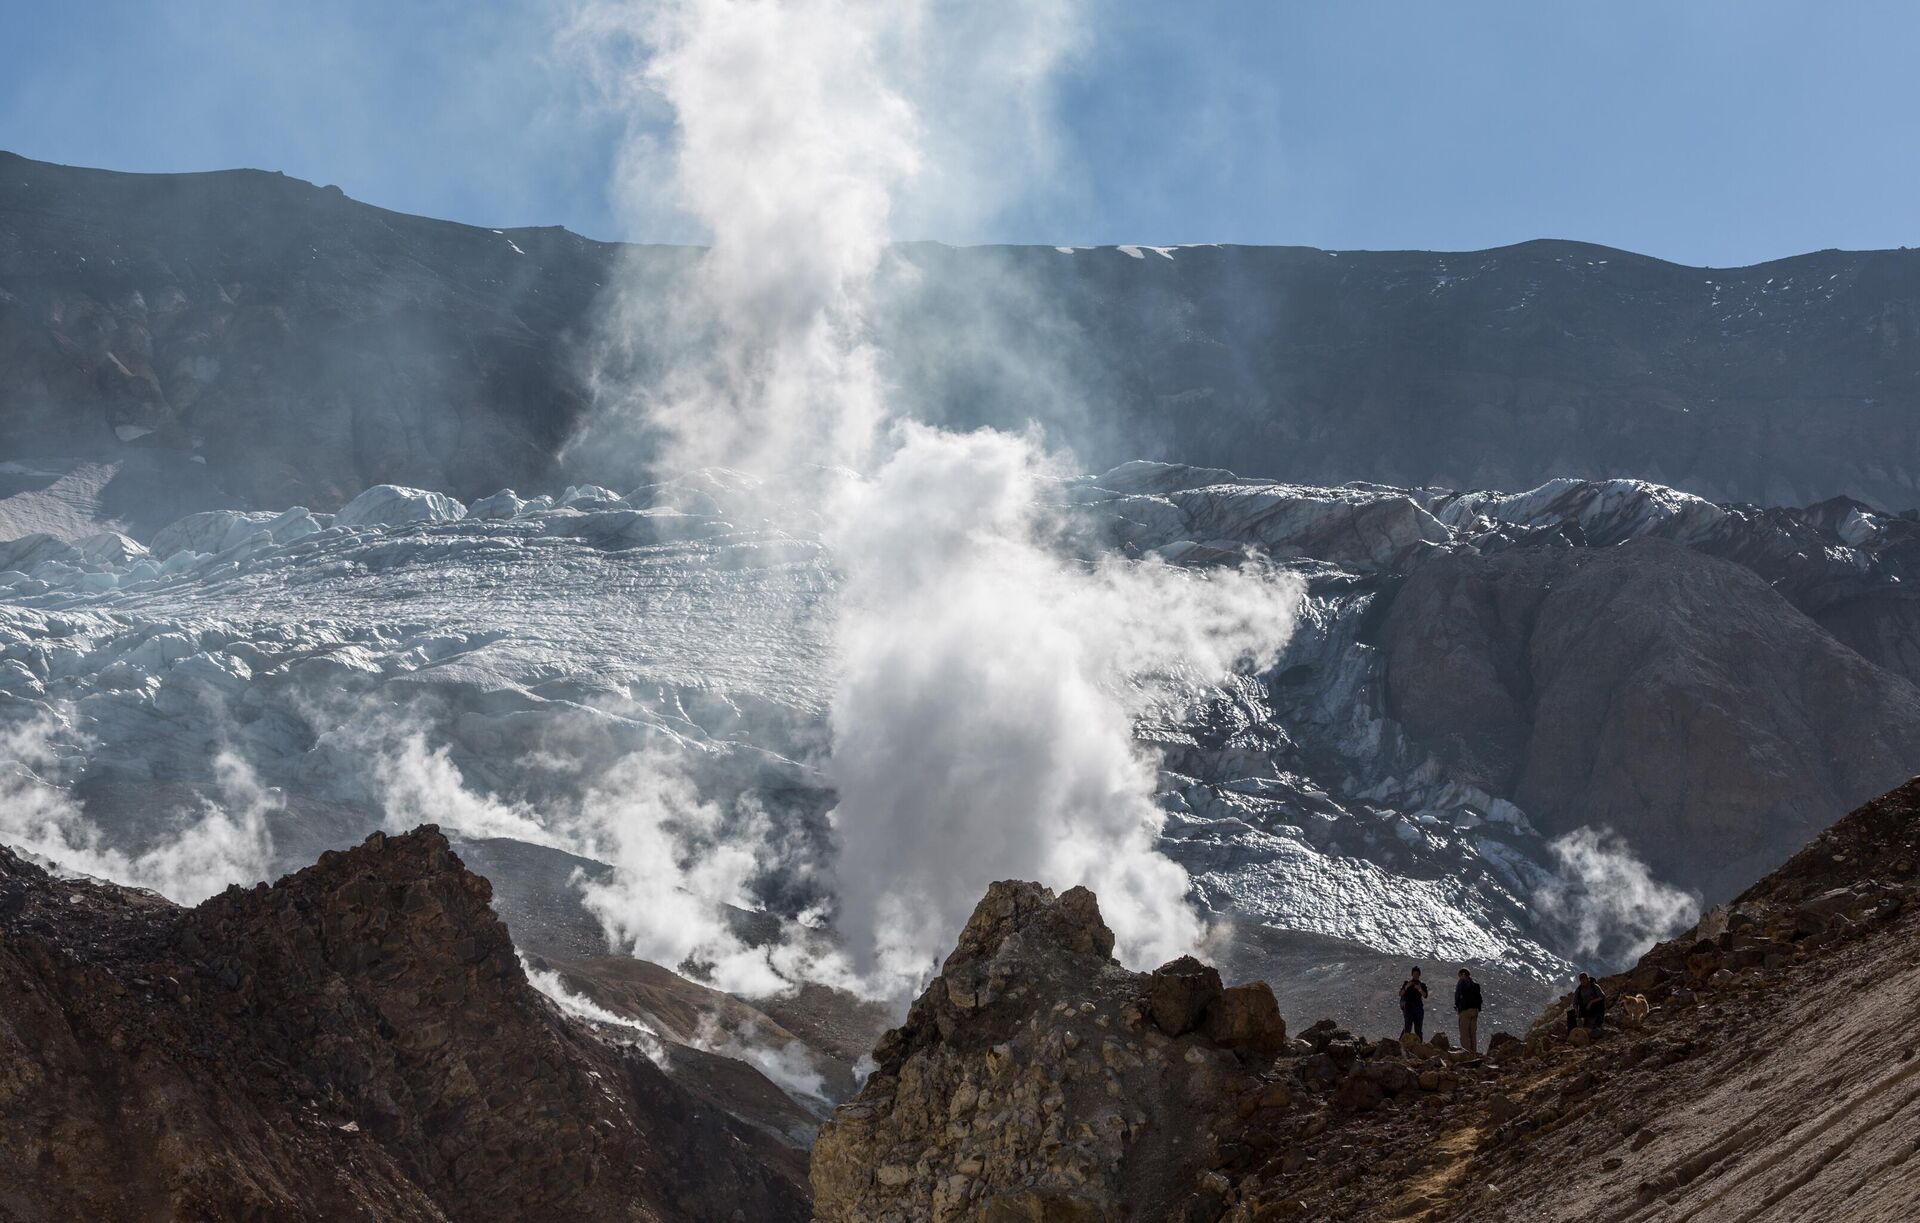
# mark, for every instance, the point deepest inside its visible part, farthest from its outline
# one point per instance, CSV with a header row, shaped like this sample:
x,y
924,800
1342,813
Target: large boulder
x,y
1248,1017
1180,994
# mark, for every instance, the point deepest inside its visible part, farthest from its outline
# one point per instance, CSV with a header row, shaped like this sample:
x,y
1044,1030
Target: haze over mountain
x,y
307,346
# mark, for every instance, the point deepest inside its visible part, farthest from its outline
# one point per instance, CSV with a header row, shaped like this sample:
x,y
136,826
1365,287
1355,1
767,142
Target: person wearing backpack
x,y
1466,1003
1589,1005
1413,1006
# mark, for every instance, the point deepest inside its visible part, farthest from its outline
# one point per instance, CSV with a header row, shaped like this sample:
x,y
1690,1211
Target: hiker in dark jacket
x,y
1589,1005
1466,1001
1413,1006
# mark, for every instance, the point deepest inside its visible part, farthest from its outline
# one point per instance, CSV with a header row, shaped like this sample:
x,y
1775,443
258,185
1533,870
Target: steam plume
x,y
225,841
987,679
679,861
983,722
1605,899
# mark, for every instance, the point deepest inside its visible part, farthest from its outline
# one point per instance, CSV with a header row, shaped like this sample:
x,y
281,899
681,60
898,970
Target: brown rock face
x,y
1035,1079
1186,996
1741,1096
1248,1017
357,1040
1180,994
1671,696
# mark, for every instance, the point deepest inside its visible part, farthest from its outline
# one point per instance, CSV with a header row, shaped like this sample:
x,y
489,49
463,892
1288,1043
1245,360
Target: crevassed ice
x,y
412,657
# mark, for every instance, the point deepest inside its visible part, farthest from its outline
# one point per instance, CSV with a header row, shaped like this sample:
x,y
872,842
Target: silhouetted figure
x,y
1589,1005
1413,1006
1466,1001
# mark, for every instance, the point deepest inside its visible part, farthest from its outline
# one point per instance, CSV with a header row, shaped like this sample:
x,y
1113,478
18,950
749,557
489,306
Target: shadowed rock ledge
x,y
356,1041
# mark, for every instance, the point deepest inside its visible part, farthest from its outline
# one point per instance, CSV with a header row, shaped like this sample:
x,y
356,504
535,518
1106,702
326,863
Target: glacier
x,y
484,666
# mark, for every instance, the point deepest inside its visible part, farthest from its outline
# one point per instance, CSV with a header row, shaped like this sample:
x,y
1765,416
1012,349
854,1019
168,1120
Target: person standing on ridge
x,y
1413,1006
1466,1001
1589,1005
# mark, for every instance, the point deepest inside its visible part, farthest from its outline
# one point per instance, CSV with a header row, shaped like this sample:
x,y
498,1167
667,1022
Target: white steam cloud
x,y
988,681
788,1064
988,686
625,1030
1605,900
224,841
580,1006
419,783
680,862
790,147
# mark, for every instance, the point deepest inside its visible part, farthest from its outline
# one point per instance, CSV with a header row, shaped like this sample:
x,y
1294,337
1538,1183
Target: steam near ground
x,y
1605,900
789,1065
987,679
986,699
581,1007
199,852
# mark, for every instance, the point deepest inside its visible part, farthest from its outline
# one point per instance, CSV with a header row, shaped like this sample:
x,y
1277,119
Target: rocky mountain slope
x,y
285,334
307,346
1545,676
1748,1093
357,1040
1772,1078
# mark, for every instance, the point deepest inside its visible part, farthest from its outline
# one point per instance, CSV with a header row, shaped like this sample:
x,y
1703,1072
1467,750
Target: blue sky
x,y
1708,131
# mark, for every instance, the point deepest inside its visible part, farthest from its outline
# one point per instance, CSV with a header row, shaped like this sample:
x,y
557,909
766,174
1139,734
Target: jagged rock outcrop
x,y
1037,1079
1759,1069
357,1040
